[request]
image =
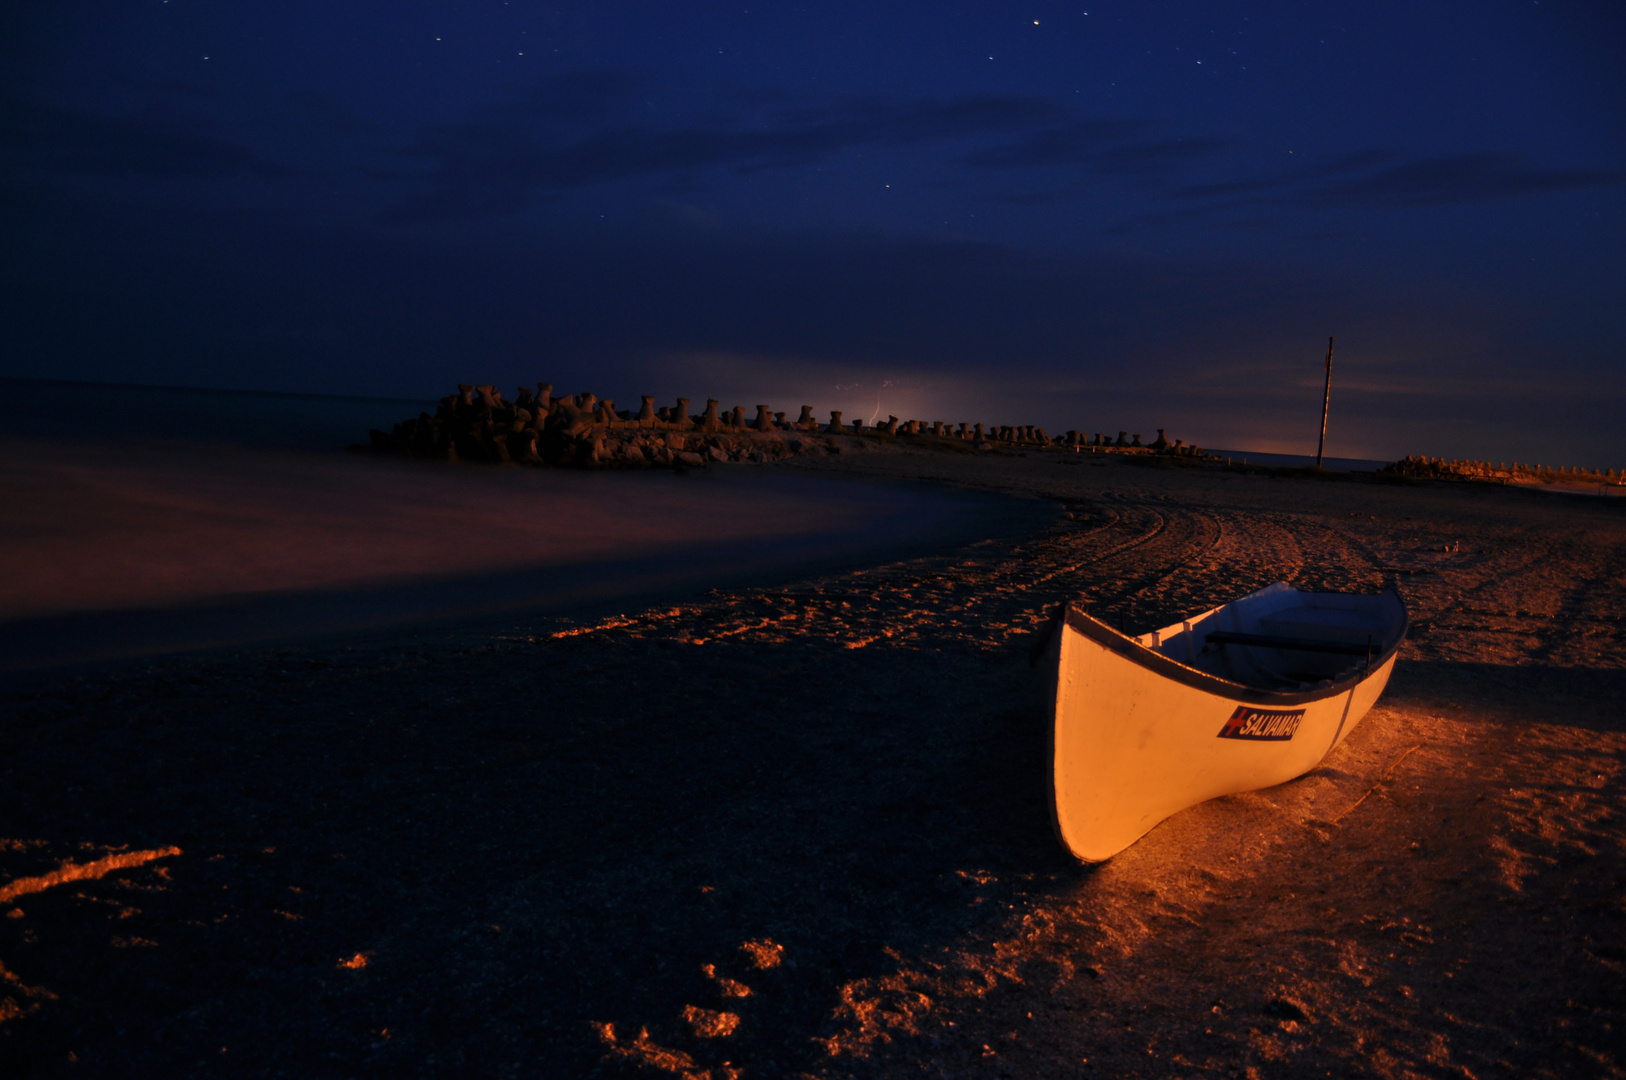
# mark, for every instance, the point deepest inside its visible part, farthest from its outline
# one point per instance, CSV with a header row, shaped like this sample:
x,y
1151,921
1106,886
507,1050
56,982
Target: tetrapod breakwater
x,y
1422,467
537,428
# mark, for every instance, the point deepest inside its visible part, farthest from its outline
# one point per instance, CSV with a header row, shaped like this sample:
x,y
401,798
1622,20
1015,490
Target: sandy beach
x,y
798,826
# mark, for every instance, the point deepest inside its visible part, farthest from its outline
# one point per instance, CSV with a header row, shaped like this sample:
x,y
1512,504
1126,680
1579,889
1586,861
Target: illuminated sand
x,y
801,829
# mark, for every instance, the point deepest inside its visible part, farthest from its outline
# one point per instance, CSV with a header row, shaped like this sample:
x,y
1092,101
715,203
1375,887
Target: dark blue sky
x,y
1102,216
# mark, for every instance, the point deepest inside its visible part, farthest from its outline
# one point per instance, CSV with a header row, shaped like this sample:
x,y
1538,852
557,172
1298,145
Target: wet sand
x,y
801,829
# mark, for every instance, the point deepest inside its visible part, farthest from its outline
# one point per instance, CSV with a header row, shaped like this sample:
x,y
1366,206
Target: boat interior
x,y
1281,638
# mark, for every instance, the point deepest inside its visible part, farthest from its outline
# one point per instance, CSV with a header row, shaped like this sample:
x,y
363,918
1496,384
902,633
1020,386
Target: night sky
x,y
1100,216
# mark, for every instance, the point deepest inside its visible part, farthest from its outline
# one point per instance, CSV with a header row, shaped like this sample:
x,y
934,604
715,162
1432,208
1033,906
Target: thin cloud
x,y
500,162
55,139
1077,142
1085,147
1307,174
1369,179
1154,157
1466,178
579,95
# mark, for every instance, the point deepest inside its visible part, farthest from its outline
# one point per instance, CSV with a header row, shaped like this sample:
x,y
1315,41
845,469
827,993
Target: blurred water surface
x,y
1299,461
116,412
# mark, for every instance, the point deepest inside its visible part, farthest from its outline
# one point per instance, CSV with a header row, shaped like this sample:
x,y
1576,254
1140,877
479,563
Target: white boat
x,y
1247,695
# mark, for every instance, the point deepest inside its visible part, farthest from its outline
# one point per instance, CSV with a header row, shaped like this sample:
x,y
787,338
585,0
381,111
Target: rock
x,y
499,444
835,423
1285,1009
527,451
569,419
716,453
689,458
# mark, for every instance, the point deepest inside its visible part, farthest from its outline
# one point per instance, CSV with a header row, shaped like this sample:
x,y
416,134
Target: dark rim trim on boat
x,y
1154,661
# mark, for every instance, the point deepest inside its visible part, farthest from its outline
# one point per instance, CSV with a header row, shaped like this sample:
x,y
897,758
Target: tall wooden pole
x,y
1326,400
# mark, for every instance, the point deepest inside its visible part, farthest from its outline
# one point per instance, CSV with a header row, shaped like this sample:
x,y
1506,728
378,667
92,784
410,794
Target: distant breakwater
x,y
583,430
1432,468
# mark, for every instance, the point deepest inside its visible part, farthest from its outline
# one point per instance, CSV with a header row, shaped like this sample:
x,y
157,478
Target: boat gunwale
x,y
1159,664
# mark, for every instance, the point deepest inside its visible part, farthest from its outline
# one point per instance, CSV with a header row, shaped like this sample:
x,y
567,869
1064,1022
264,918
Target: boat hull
x,y
1133,745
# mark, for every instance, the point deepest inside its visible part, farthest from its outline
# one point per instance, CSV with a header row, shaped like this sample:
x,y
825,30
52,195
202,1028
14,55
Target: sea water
x,y
114,412
1301,461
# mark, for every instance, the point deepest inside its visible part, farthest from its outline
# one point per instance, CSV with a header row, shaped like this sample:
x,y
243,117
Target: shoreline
x,y
561,846
259,546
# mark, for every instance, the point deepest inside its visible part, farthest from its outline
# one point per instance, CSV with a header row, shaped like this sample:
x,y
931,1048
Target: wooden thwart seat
x,y
1277,641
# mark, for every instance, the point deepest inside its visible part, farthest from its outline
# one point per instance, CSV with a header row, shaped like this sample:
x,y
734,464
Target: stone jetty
x,y
1422,467
583,430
